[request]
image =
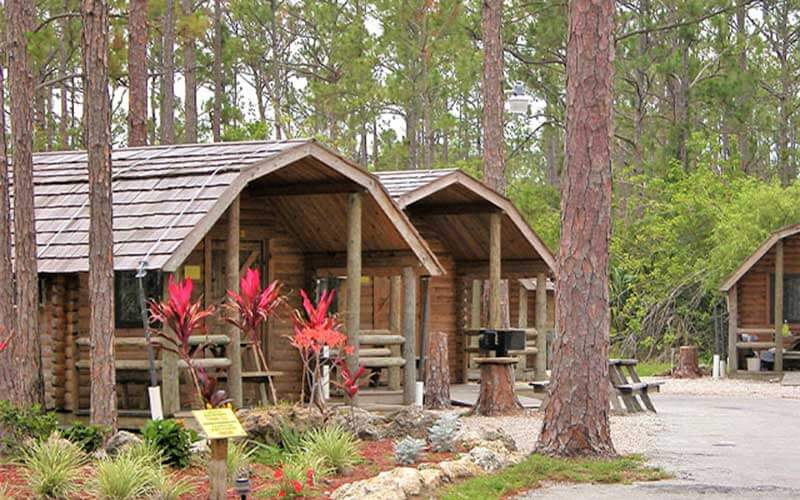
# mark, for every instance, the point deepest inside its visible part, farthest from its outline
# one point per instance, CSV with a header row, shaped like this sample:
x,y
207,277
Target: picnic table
x,y
624,389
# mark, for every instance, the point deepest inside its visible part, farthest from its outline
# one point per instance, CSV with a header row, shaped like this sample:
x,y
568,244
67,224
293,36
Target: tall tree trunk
x,y
576,416
216,115
63,124
26,386
168,75
743,138
7,368
97,121
492,86
411,134
137,73
190,80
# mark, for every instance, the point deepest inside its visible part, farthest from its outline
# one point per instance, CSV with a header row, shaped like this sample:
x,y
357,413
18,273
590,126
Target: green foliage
x,y
268,454
443,432
135,473
88,436
337,447
536,469
52,466
239,459
18,424
172,439
168,486
407,450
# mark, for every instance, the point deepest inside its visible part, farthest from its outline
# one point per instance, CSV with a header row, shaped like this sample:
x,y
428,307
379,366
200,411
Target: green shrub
x,y
298,464
337,447
18,424
172,439
268,454
89,437
168,486
291,438
132,474
239,459
52,466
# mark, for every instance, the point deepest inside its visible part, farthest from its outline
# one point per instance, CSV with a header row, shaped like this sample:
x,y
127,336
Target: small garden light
x,y
242,486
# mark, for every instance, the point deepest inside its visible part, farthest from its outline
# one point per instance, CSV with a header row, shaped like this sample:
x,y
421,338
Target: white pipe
x,y
723,373
154,393
715,367
419,393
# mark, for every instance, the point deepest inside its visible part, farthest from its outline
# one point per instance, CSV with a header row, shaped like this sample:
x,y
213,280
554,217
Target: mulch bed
x,y
378,456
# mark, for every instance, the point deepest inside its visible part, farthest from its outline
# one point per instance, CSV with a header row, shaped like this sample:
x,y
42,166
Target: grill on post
x,y
501,341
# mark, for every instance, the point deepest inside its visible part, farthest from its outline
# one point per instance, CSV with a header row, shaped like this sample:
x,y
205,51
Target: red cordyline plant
x,y
184,318
251,308
350,384
314,330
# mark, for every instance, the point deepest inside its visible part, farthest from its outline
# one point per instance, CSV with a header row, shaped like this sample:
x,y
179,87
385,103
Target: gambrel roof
x,y
167,197
765,247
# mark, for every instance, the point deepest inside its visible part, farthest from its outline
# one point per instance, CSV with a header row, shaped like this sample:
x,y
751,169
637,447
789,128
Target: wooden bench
x,y
627,391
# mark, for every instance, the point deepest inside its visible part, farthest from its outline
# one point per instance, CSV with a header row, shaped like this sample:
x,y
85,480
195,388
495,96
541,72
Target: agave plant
x,y
252,307
315,329
184,318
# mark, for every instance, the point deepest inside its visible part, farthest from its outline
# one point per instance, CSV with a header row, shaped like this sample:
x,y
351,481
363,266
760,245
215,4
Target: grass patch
x,y
537,468
653,368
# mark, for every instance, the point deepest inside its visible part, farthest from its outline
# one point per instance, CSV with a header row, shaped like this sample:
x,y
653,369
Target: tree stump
x,y
688,366
496,396
437,373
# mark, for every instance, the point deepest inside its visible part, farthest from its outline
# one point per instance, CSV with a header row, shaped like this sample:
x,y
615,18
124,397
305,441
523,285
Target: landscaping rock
x,y
431,478
462,468
410,421
360,422
200,447
399,483
471,438
487,459
264,424
119,441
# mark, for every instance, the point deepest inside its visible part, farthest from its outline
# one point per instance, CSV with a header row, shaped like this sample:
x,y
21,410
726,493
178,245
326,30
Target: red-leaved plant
x,y
290,487
5,341
315,329
251,308
180,319
350,384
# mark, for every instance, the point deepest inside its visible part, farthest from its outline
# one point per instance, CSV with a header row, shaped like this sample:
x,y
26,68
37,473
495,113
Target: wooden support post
x,y
522,323
425,302
72,350
232,283
170,376
778,302
495,314
474,324
218,469
395,326
410,335
353,312
733,326
540,372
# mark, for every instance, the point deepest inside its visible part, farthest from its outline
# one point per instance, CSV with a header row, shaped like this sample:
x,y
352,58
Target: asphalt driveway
x,y
716,447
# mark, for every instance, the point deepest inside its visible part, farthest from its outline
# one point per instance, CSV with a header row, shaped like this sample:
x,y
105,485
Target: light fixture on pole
x,y
518,101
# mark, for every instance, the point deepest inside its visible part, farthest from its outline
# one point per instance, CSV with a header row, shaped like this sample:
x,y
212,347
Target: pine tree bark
x,y
688,365
168,75
6,270
437,373
26,385
137,73
97,120
190,80
492,86
63,123
216,115
576,416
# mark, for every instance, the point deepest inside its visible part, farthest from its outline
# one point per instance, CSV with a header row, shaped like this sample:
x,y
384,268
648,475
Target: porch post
x,y
522,324
474,324
778,302
232,283
395,326
425,303
495,314
353,312
733,325
170,375
410,335
541,327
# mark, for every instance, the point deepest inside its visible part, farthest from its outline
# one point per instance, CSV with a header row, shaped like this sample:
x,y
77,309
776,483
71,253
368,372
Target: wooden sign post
x,y
219,425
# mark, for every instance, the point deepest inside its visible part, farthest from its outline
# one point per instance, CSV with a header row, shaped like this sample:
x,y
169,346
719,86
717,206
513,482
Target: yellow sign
x,y
193,272
220,423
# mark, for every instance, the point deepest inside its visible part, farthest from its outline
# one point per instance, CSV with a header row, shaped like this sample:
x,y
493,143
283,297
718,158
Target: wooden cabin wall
x,y
754,299
52,324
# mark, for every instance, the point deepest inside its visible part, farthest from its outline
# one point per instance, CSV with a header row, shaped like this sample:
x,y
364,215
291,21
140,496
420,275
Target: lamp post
x,y
518,100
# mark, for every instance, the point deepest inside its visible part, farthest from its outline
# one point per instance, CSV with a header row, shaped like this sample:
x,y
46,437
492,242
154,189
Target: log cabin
x,y
480,239
763,300
294,209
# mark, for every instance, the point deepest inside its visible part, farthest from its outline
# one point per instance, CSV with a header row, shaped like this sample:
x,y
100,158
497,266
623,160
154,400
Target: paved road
x,y
716,447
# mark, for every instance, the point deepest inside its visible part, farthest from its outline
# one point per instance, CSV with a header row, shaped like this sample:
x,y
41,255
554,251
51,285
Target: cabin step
x,y
381,339
373,352
194,340
381,362
143,364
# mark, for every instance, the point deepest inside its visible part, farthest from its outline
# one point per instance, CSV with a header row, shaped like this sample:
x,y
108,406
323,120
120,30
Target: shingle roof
x,y
160,195
400,182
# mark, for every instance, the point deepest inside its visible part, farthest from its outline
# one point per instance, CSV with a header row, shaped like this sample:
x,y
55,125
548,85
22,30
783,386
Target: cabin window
x,y
127,311
791,298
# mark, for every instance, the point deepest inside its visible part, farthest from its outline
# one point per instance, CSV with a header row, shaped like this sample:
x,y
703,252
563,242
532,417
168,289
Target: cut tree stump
x,y
437,373
496,396
688,366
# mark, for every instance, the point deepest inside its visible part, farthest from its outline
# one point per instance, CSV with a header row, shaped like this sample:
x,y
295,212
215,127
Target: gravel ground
x,y
630,433
707,386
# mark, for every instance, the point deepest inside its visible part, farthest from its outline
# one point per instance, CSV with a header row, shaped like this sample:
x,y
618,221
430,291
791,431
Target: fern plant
x,y
407,450
443,432
52,467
